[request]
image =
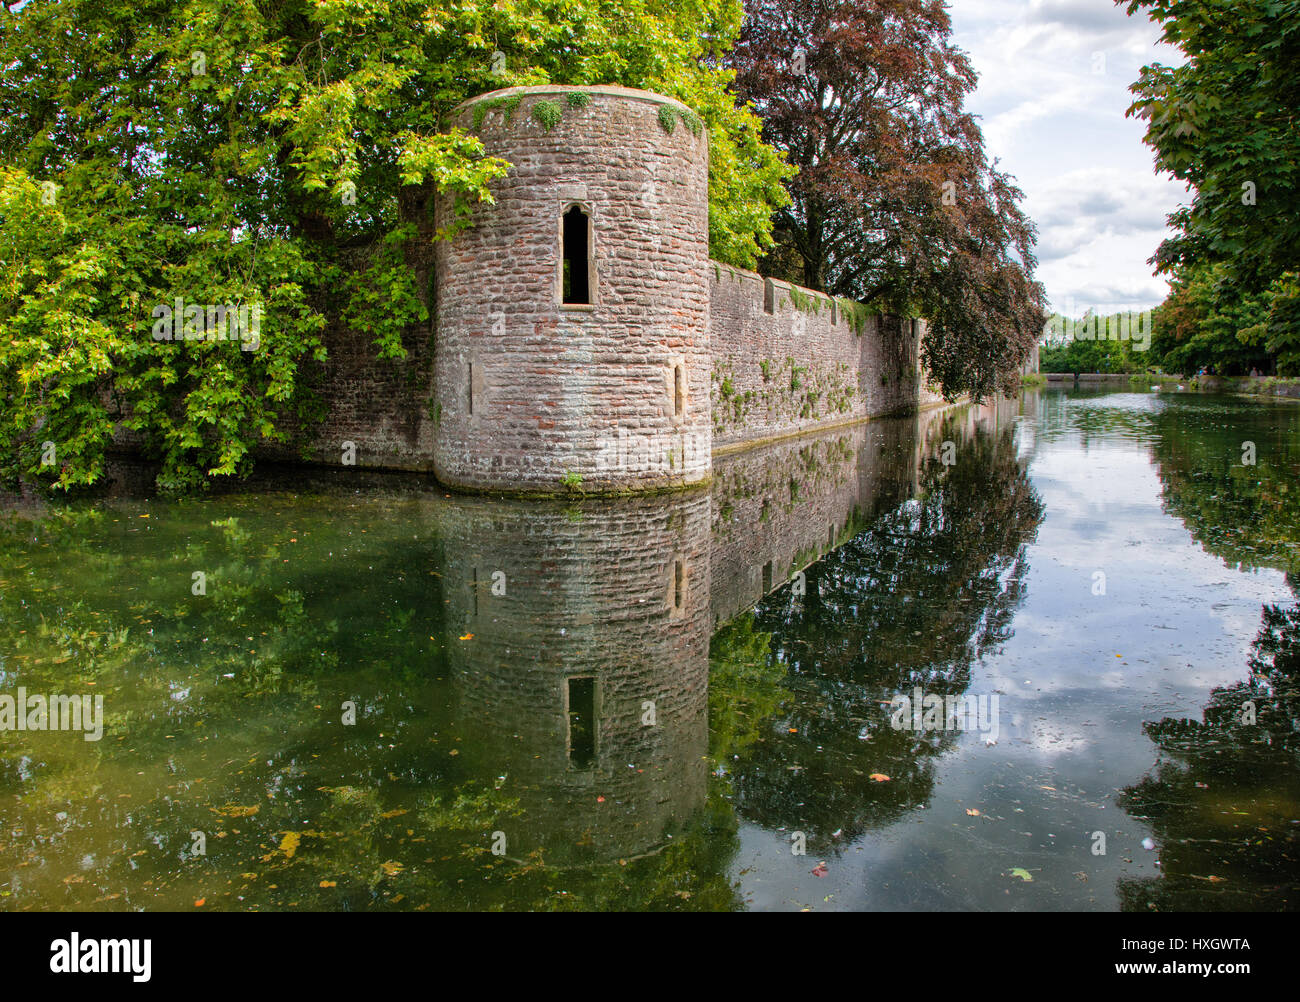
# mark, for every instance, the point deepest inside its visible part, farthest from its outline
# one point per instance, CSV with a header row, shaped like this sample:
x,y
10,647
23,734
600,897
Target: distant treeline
x,y
1118,342
1176,337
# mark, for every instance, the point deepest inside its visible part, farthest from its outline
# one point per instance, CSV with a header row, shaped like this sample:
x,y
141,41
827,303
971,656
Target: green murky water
x,y
325,692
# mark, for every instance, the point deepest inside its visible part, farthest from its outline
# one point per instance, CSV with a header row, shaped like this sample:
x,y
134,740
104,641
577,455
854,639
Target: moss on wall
x,y
547,114
792,393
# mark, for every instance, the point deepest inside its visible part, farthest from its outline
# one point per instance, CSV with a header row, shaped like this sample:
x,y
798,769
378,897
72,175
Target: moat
x,y
347,691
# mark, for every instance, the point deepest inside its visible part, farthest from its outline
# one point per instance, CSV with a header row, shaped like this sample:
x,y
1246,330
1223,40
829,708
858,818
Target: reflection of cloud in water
x,y
1057,738
1130,403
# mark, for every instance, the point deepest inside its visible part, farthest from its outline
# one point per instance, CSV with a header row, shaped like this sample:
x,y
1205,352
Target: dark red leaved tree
x,y
895,203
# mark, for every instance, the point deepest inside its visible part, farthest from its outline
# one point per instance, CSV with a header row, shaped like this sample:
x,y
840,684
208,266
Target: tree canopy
x,y
1224,122
895,203
284,158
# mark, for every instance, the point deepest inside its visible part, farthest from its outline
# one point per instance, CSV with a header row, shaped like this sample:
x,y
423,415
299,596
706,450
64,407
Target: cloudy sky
x,y
1054,78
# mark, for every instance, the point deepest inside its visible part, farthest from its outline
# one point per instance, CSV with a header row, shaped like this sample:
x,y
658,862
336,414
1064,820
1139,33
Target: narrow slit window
x,y
767,577
679,581
471,388
576,237
582,721
679,391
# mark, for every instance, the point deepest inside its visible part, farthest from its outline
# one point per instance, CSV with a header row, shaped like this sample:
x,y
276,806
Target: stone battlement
x,y
582,335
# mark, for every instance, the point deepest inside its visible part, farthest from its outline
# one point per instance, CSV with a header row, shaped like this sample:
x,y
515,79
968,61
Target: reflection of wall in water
x,y
779,508
608,608
960,424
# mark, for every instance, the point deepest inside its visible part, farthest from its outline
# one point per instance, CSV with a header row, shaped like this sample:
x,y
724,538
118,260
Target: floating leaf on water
x,y
289,844
1022,873
236,810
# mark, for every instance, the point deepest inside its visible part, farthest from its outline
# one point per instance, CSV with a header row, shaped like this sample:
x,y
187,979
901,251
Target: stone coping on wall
x,y
538,90
778,284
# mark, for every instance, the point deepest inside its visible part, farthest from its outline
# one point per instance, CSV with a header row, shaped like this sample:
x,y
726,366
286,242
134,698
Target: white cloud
x,y
1053,92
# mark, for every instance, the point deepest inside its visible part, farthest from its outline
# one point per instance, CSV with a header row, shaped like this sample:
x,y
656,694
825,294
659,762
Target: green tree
x,y
284,156
1224,122
1208,322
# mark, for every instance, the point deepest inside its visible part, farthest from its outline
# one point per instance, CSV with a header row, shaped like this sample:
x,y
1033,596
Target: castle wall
x,y
787,360
383,408
387,409
675,357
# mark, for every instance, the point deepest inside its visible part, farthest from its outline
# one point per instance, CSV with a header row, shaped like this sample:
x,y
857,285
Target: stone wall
x,y
675,357
530,390
382,407
788,360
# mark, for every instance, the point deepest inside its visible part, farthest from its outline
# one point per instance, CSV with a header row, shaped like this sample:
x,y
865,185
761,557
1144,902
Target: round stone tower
x,y
573,314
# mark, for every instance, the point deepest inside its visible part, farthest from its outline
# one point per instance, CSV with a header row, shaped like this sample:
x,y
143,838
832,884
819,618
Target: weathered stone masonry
x,y
666,357
613,390
789,360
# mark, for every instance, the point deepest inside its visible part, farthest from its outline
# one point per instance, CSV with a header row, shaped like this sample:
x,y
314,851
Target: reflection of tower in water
x,y
585,681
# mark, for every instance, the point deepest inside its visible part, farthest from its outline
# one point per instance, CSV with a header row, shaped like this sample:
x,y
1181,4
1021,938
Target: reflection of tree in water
x,y
1224,805
912,600
230,723
238,690
1224,808
1246,515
